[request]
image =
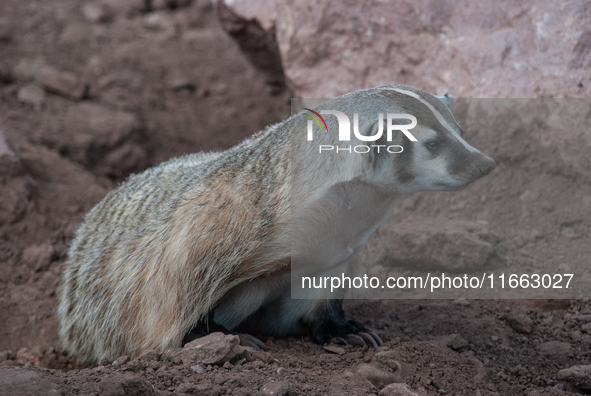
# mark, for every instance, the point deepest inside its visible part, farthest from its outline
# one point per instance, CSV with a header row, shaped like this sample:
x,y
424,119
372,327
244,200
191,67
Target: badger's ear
x,y
447,100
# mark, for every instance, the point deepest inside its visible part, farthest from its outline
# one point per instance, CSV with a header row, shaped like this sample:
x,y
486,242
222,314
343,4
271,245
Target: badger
x,y
205,242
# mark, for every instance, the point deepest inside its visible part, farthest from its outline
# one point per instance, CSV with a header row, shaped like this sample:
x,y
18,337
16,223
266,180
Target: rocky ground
x,y
93,91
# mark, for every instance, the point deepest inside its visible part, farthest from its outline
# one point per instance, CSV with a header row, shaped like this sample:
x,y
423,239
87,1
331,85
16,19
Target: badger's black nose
x,y
487,166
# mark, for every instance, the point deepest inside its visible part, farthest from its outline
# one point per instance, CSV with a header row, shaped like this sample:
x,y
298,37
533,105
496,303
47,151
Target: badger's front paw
x,y
345,332
361,336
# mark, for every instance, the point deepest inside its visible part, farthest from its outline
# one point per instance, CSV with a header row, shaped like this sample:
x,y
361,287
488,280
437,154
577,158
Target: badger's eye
x,y
433,145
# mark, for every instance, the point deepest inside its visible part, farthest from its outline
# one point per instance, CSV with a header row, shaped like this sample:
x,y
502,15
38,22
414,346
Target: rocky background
x,y
91,91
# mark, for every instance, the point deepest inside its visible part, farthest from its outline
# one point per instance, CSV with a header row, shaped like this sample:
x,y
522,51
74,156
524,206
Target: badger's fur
x,y
204,242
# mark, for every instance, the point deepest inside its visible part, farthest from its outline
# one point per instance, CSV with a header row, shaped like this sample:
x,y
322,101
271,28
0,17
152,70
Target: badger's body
x,y
205,241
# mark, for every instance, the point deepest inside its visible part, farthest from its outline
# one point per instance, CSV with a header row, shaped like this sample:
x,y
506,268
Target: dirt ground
x,y
91,92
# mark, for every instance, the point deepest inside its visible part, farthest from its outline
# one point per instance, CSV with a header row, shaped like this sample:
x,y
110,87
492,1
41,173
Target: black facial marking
x,y
403,162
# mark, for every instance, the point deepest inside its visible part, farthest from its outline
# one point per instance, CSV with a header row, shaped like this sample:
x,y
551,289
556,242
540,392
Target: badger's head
x,y
440,159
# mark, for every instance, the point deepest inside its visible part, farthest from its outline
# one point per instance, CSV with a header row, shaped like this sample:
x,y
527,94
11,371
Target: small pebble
x,y
461,301
280,388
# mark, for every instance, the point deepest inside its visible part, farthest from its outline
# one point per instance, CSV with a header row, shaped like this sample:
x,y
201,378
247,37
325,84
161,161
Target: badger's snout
x,y
467,166
486,166
476,165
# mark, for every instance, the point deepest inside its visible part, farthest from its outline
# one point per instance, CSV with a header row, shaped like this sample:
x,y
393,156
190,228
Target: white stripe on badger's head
x,y
441,159
438,115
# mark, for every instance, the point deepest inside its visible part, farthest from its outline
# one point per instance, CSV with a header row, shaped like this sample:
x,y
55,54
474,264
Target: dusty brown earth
x,y
93,91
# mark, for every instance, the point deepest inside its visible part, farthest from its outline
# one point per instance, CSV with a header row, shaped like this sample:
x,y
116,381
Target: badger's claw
x,y
376,337
363,338
369,339
339,341
251,341
331,326
354,339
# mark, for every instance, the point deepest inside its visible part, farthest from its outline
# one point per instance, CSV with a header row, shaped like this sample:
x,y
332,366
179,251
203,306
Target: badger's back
x,y
154,256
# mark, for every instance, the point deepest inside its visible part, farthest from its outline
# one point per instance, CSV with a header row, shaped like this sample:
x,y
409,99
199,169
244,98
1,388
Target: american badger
x,y
205,242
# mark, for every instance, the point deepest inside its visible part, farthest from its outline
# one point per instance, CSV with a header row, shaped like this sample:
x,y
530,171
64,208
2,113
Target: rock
x,y
125,385
418,39
60,82
100,126
576,335
520,322
96,12
14,198
279,388
19,382
388,358
461,302
26,357
31,94
198,369
39,257
453,341
446,245
5,147
376,376
334,349
10,163
123,160
586,328
397,390
578,376
6,355
584,318
215,348
173,355
149,356
121,361
258,44
160,21
107,140
555,348
457,342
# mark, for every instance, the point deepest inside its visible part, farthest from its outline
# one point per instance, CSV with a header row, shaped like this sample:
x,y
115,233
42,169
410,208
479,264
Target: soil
x,y
91,92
